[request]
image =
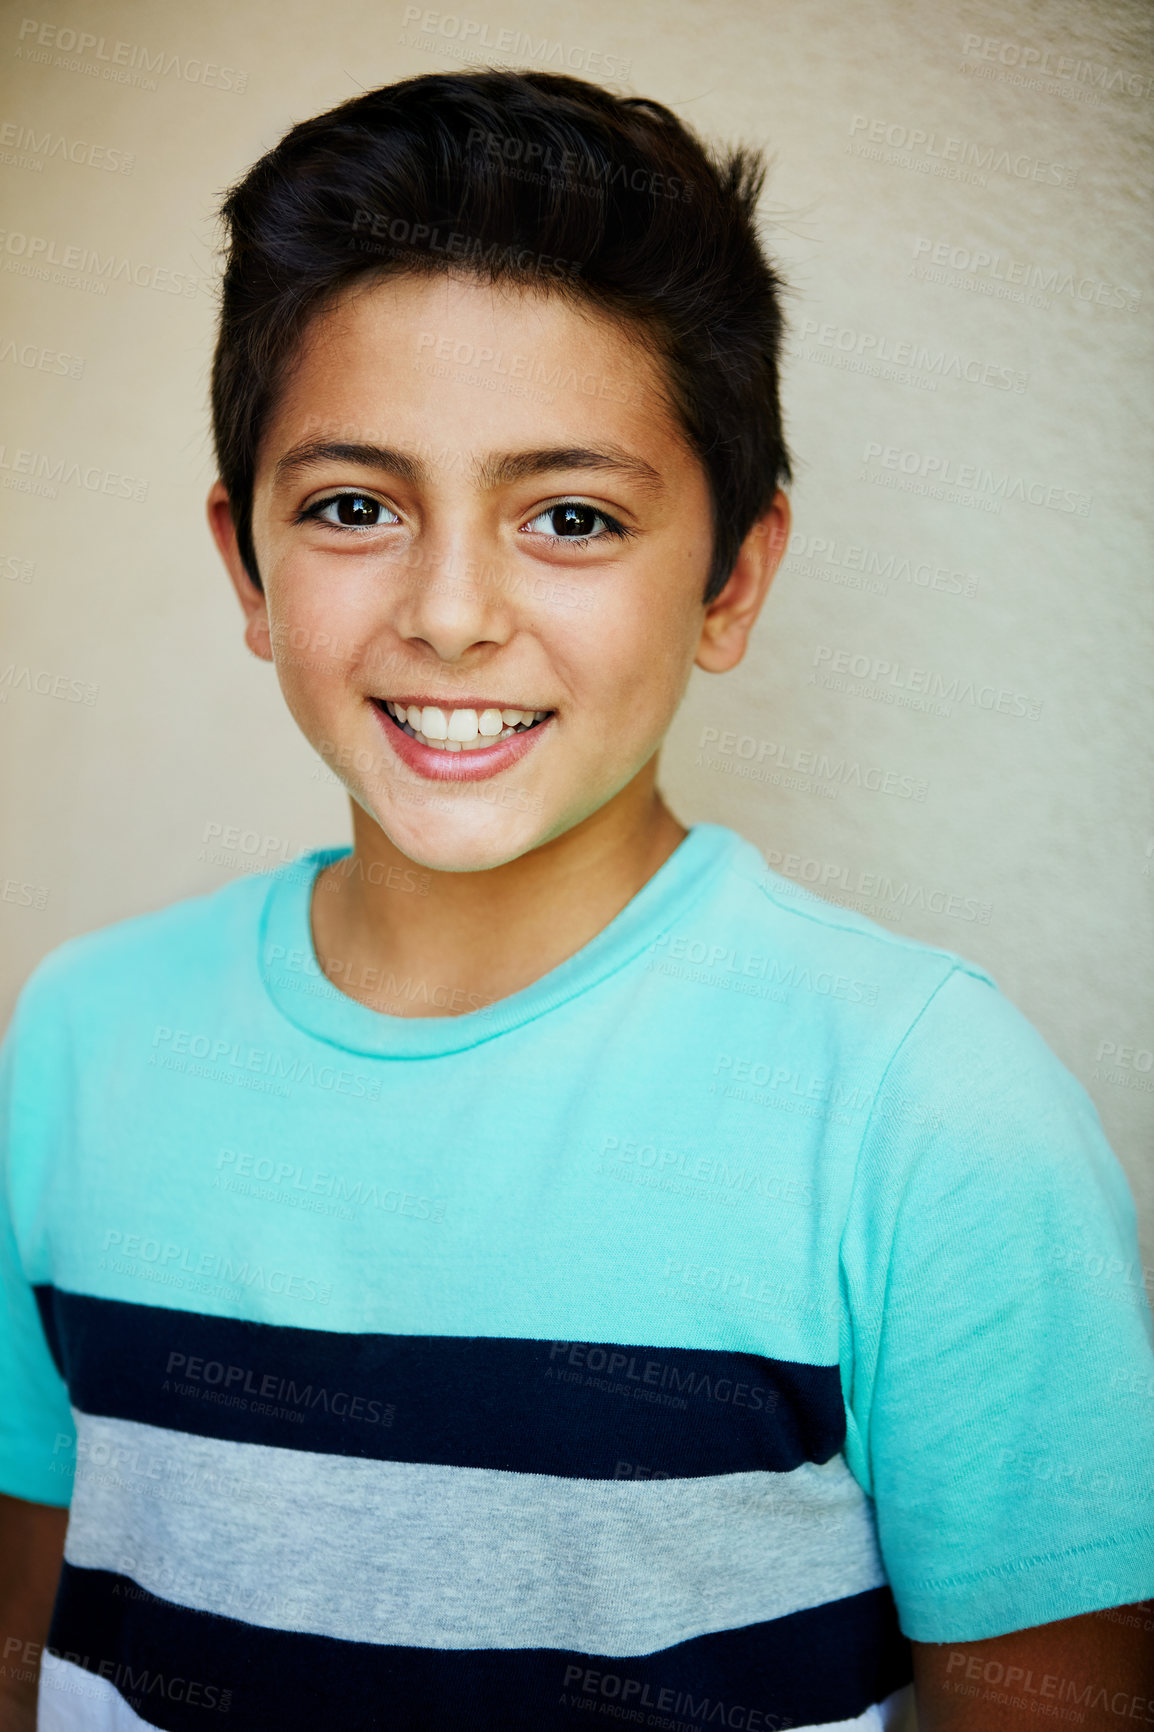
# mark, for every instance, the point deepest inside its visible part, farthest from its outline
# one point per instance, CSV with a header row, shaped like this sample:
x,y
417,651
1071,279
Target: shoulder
x,y
841,955
986,1067
977,1127
177,950
948,1046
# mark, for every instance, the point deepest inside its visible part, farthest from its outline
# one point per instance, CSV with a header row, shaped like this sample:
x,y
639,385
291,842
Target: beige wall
x,y
1013,828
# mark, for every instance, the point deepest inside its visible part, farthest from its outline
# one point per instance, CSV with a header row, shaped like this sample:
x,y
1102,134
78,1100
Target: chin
x,y
441,831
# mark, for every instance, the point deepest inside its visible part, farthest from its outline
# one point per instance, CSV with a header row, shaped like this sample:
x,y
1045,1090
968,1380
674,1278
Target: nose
x,y
452,602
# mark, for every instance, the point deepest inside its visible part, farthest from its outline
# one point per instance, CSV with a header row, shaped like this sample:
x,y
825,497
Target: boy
x,y
538,1263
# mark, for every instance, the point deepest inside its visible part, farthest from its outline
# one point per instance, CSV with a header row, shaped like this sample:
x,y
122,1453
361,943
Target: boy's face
x,y
524,528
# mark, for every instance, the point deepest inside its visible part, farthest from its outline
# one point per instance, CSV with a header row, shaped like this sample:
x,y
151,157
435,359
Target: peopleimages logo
x,y
584,1683
1011,273
663,1374
800,767
855,564
24,147
471,34
879,673
238,1382
141,1254
118,62
875,892
36,358
41,256
912,143
1040,61
425,237
993,484
223,1059
940,363
42,472
46,684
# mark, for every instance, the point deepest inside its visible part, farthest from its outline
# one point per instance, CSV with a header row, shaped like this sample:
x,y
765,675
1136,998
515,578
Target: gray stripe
x,y
448,1557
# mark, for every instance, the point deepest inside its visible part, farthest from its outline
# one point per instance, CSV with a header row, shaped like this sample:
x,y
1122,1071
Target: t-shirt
x,y
668,1342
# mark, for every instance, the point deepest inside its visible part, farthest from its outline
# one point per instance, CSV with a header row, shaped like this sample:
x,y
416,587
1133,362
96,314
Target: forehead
x,y
452,364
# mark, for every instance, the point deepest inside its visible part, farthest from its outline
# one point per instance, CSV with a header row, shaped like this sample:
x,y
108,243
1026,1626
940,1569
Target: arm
x,y
31,1551
1093,1672
1001,1345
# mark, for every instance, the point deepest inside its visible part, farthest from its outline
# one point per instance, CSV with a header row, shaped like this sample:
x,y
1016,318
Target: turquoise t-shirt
x,y
674,1338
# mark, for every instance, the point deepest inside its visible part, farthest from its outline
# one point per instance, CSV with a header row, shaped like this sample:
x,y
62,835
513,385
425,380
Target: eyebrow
x,y
517,465
496,470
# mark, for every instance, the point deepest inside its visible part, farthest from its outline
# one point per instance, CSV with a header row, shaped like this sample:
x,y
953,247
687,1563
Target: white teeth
x,y
463,725
461,730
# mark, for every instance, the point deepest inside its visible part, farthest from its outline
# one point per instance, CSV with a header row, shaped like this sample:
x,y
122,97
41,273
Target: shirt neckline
x,y
296,984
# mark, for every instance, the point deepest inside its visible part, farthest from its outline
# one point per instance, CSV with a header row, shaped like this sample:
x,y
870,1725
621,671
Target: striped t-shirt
x,y
667,1343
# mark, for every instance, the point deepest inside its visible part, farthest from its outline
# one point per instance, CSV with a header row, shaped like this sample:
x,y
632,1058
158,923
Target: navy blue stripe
x,y
578,1410
828,1663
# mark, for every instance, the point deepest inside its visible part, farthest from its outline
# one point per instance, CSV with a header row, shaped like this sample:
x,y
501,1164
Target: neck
x,y
483,935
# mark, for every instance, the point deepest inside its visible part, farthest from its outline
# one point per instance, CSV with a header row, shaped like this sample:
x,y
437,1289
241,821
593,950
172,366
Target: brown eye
x,y
357,510
573,519
351,511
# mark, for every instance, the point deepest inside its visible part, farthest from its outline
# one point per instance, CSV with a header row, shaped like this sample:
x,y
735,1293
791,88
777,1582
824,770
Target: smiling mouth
x,y
460,730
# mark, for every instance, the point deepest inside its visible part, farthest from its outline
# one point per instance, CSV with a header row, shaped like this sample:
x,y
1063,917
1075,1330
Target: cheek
x,y
316,627
649,639
628,662
297,600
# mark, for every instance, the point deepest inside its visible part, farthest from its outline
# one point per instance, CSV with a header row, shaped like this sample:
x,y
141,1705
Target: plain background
x,y
147,757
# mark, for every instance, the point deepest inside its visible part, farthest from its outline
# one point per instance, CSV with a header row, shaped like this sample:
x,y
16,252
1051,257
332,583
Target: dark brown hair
x,y
528,176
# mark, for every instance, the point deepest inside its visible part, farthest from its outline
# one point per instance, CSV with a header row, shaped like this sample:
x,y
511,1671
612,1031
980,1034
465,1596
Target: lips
x,y
472,763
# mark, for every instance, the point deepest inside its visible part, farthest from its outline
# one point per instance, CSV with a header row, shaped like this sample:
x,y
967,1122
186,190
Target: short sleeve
x,y
37,1435
998,1341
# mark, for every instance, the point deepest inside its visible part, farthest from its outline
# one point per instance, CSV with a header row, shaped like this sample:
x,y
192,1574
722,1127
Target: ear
x,y
730,617
252,599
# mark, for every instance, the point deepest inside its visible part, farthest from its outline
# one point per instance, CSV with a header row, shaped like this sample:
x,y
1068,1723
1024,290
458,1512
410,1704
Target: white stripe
x,y
445,1557
888,1716
73,1700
